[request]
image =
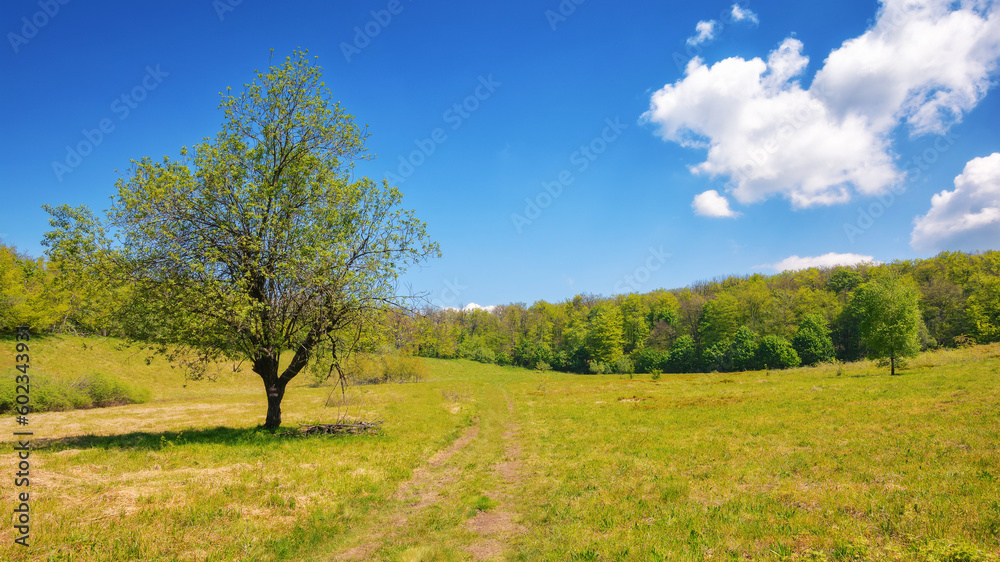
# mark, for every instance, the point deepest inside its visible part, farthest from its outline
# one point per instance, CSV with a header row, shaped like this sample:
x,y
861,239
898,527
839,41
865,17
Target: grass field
x,y
484,462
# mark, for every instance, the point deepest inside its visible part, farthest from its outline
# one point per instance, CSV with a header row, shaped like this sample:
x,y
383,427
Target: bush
x,y
542,366
683,356
812,342
744,350
50,394
597,367
388,367
484,355
776,353
646,360
623,365
503,359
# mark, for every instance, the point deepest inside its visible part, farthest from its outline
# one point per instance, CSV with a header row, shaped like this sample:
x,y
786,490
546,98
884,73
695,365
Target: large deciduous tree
x,y
889,318
261,240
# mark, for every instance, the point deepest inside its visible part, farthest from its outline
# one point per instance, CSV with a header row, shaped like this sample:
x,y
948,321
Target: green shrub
x,y
744,350
812,342
597,367
776,353
623,365
484,355
647,360
386,367
49,394
683,356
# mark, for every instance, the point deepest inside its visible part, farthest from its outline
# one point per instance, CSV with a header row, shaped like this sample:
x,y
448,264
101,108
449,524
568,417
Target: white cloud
x,y
967,218
794,263
922,63
711,204
473,306
706,32
740,14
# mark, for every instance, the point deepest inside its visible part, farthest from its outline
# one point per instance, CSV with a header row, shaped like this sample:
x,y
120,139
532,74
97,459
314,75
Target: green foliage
x,y
598,367
743,352
484,355
28,292
604,342
683,356
646,360
50,394
775,352
890,318
386,367
718,357
812,341
984,310
623,365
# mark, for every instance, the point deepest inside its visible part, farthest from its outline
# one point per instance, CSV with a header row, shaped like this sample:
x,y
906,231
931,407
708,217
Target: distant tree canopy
x,y
258,242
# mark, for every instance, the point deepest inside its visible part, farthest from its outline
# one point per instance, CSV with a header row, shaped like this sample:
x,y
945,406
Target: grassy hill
x,y
484,462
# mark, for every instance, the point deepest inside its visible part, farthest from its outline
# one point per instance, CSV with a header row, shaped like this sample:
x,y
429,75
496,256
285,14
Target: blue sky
x,y
555,148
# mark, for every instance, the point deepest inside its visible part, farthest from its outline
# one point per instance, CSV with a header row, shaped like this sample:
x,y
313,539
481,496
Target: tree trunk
x,y
275,392
892,365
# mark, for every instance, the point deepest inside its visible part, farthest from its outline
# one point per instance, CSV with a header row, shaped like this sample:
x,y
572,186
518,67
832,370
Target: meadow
x,y
836,462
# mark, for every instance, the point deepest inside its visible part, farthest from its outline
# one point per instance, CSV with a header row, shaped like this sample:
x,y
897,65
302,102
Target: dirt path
x,y
446,476
498,526
421,490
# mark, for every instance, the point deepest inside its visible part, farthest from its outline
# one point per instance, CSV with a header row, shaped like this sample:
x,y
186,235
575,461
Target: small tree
x,y
889,319
812,342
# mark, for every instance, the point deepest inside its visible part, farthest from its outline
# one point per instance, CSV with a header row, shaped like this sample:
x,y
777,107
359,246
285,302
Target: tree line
x,y
734,323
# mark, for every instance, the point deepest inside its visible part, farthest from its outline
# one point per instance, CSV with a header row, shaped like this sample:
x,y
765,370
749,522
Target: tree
x,y
263,240
683,356
604,340
889,318
744,350
983,309
775,352
812,342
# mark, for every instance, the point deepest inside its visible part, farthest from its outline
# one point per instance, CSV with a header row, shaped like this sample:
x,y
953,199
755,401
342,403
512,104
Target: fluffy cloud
x,y
831,259
922,63
741,14
967,218
711,204
706,32
473,306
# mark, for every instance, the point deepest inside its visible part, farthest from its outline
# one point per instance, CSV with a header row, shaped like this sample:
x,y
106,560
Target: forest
x,y
732,323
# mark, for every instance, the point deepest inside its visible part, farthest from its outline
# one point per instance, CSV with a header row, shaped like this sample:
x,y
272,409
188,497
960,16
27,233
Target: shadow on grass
x,y
156,441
